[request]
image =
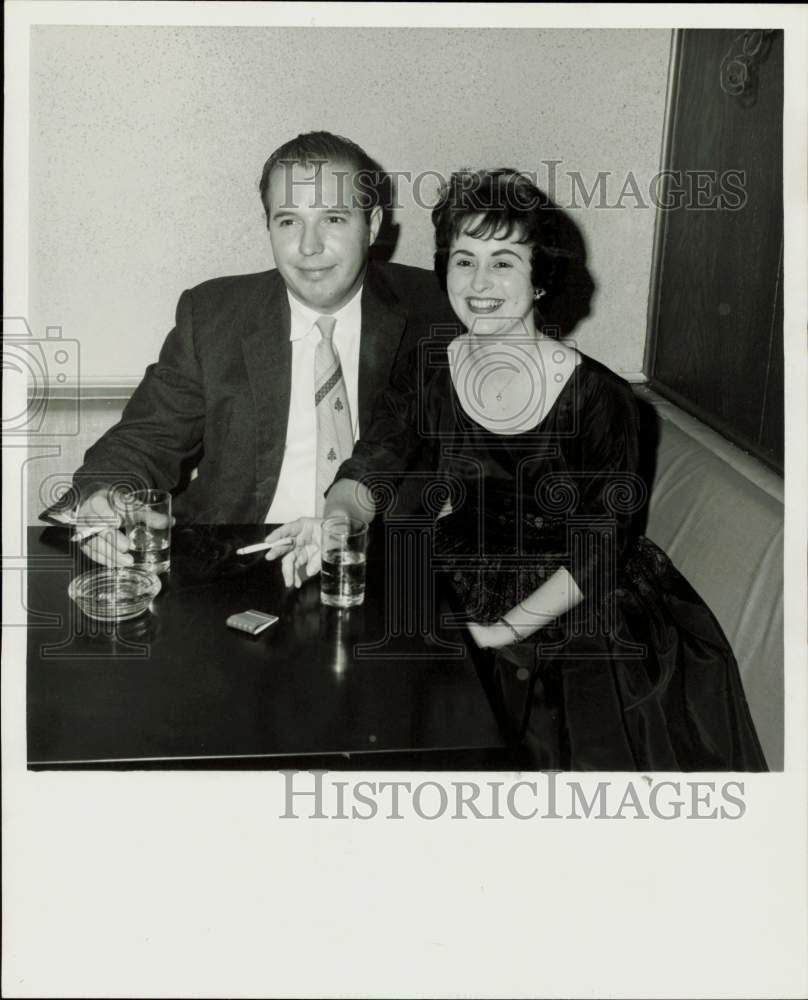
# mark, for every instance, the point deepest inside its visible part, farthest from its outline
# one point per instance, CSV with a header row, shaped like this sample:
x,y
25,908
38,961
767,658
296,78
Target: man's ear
x,y
374,224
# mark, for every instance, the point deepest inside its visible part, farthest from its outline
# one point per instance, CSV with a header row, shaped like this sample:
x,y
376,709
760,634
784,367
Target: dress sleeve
x,y
602,462
392,444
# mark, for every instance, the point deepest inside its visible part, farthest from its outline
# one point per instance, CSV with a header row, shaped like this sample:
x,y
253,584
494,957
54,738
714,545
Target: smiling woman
x,y
602,655
489,283
496,253
506,206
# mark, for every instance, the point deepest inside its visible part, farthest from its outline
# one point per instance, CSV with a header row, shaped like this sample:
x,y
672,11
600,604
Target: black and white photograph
x,y
404,500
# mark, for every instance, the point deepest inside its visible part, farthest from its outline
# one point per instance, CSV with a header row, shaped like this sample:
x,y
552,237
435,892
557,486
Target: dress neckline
x,y
530,430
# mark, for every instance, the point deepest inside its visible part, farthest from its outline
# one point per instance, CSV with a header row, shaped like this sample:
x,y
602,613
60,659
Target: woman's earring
x,y
537,294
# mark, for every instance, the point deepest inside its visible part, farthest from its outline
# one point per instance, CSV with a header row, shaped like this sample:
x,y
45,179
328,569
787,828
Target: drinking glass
x,y
344,551
147,523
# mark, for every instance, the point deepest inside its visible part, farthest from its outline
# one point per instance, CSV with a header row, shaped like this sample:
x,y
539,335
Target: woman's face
x,y
489,284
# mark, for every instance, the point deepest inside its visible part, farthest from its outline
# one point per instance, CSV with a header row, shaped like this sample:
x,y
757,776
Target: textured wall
x,y
147,145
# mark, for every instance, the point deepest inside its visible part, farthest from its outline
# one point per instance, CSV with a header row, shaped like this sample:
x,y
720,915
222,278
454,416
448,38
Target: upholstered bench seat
x,y
718,513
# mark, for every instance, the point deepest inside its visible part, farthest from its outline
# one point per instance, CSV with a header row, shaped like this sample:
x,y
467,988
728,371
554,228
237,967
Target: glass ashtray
x,y
114,595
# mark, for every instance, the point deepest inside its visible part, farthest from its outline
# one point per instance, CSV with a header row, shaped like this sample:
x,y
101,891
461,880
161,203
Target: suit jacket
x,y
218,397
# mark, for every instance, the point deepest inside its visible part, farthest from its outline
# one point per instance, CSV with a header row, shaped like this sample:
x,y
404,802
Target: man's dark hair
x,y
315,148
496,204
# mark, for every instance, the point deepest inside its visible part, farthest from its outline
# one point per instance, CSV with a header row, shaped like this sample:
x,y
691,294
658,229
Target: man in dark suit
x,y
232,394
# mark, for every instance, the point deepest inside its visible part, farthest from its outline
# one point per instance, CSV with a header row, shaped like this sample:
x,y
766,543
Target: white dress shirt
x,y
297,484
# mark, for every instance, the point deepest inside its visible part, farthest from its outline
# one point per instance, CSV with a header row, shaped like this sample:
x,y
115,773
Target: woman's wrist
x,y
498,633
516,636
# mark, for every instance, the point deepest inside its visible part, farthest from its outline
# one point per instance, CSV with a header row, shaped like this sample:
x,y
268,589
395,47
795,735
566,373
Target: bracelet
x,y
513,631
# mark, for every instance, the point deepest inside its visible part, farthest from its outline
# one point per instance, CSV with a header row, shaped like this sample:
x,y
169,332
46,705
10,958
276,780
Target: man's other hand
x,y
110,546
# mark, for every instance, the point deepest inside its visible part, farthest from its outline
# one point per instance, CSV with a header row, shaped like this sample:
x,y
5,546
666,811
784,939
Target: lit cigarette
x,y
263,546
84,533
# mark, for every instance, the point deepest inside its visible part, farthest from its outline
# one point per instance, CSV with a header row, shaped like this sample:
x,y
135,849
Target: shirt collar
x,y
304,317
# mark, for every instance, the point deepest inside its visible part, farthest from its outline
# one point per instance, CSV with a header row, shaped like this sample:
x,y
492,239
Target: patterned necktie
x,y
334,432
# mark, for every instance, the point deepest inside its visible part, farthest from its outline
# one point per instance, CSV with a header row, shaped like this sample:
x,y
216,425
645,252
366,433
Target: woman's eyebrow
x,y
499,253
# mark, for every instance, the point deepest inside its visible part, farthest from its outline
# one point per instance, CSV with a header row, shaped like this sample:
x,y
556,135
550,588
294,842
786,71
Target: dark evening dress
x,y
639,676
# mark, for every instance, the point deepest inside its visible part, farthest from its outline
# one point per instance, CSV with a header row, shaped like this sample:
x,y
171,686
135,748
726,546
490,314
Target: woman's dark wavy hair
x,y
495,204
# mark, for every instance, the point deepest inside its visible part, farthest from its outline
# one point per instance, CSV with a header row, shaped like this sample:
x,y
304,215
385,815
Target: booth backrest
x,y
718,513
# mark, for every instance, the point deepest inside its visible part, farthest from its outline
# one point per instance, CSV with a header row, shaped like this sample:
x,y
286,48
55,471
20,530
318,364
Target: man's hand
x,y
303,562
110,547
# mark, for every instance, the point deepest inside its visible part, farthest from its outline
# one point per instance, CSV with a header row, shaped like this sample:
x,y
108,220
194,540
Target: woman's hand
x,y
303,561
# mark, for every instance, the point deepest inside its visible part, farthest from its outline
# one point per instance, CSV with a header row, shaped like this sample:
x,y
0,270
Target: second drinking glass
x,y
344,552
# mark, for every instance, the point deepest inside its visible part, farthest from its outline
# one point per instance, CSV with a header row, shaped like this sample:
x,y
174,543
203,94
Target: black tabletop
x,y
390,684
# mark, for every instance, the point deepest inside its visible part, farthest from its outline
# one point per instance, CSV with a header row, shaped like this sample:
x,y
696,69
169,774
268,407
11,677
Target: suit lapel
x,y
268,360
383,323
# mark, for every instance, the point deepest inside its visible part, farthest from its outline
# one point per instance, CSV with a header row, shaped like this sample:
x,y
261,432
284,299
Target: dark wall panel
x,y
717,338
772,431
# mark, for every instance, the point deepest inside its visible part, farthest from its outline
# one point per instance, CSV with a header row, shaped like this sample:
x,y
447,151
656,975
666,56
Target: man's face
x,y
320,237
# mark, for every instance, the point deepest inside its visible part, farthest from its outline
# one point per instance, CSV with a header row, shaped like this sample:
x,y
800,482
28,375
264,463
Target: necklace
x,y
488,365
506,386
501,386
